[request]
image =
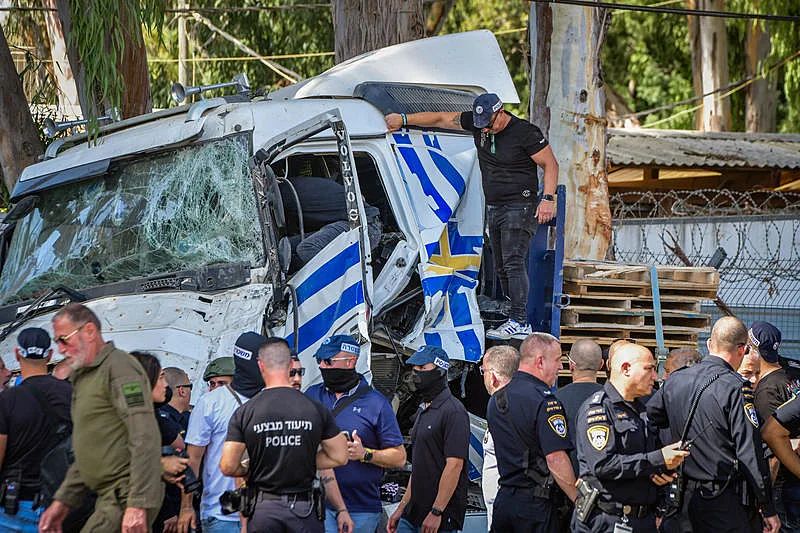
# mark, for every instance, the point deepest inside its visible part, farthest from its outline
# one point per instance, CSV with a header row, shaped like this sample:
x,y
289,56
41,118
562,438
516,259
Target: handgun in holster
x,y
586,500
318,498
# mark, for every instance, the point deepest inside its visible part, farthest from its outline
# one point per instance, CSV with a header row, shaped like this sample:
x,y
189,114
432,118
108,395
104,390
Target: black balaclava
x,y
429,383
247,379
340,379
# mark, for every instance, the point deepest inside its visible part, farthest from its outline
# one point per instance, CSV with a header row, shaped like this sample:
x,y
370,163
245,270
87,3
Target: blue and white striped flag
x,y
330,301
445,192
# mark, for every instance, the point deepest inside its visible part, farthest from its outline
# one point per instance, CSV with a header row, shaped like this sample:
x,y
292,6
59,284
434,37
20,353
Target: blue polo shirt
x,y
372,418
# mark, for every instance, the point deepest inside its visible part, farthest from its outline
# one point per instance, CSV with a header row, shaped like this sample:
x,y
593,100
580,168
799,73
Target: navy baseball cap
x,y
335,344
430,354
767,338
483,108
33,343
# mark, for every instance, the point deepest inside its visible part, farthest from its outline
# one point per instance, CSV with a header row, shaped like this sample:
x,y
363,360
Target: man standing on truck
x,y
510,150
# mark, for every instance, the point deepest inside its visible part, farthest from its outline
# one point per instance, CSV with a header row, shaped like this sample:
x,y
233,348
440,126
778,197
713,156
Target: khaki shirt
x,y
115,438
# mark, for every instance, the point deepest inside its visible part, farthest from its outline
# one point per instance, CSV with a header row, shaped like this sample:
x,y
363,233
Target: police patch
x,y
132,391
558,424
751,413
598,436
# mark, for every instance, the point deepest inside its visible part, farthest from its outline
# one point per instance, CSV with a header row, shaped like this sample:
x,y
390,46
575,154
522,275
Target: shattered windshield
x,y
177,210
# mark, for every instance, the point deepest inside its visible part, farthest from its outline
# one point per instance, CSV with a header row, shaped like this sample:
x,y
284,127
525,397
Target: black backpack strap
x,y
359,393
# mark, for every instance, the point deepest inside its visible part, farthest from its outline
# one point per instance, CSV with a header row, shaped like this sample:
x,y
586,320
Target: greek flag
x,y
445,192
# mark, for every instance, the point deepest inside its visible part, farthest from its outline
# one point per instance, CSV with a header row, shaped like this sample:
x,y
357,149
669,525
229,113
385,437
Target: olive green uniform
x,y
116,441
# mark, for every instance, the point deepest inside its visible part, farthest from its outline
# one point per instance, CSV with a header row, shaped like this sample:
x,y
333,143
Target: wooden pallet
x,y
608,270
622,287
668,303
579,314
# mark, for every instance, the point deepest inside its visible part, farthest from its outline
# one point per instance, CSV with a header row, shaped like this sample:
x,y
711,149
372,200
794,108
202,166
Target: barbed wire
x,y
759,231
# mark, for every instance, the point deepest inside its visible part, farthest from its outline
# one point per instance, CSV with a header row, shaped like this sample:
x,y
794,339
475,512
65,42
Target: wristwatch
x,y
548,198
367,456
435,511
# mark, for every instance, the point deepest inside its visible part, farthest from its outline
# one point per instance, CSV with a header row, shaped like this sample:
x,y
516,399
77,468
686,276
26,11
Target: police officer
x,y
34,417
529,428
727,479
281,429
618,450
117,452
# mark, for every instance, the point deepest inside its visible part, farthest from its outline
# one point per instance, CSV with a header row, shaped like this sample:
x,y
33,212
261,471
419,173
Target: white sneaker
x,y
510,330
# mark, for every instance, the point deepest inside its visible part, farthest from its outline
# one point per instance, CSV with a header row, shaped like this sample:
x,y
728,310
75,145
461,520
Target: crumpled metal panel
x,y
676,148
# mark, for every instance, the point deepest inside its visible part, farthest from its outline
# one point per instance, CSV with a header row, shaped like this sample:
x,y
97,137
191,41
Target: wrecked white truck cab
x,y
172,227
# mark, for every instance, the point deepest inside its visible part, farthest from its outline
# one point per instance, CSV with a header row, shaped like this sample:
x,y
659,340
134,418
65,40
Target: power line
x,y
195,9
674,11
727,94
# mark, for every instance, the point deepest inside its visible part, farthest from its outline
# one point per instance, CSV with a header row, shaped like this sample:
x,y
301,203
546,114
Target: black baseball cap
x,y
767,339
33,343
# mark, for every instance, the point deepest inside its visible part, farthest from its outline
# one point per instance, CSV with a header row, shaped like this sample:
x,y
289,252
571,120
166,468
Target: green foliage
x,y
646,60
497,16
100,29
268,32
650,53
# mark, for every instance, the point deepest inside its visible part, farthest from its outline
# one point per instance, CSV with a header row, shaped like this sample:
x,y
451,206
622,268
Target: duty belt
x,y
633,511
297,496
713,486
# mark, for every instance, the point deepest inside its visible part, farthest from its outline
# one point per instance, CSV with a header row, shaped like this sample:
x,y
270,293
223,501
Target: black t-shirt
x,y
440,431
31,434
509,173
572,397
322,200
281,429
772,391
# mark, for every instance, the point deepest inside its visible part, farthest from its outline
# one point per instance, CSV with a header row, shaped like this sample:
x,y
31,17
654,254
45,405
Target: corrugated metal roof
x,y
699,149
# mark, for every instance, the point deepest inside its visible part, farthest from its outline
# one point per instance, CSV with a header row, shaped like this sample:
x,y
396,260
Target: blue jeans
x,y
364,522
215,525
787,503
510,228
25,521
404,526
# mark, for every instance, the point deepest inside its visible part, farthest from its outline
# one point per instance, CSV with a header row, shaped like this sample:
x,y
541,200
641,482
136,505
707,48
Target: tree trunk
x,y
68,102
19,139
761,94
364,25
133,67
568,105
708,40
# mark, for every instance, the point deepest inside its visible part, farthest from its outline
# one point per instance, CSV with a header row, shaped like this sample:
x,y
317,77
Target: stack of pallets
x,y
610,301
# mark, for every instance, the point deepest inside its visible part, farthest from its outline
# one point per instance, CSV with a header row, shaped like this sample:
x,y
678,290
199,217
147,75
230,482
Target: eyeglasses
x,y
214,384
746,347
63,339
483,370
297,372
187,386
330,361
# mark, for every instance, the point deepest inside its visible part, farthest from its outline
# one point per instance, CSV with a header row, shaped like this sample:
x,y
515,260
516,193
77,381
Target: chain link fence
x,y
753,238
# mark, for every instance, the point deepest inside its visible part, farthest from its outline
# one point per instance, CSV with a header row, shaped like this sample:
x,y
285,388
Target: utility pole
x,y
183,45
568,105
